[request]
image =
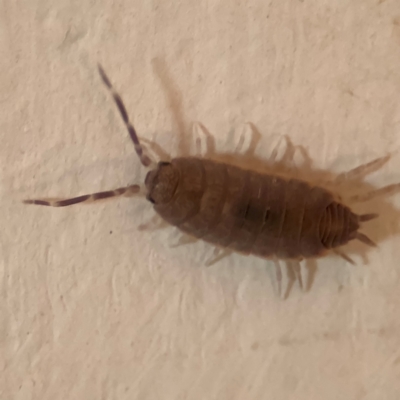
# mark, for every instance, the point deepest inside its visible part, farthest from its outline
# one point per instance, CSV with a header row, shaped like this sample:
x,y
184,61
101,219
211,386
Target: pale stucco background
x,y
92,308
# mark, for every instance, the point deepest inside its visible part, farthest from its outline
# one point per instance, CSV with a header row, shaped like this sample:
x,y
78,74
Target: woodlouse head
x,y
161,183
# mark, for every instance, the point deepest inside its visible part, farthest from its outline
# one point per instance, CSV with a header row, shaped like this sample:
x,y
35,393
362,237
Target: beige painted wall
x,y
92,308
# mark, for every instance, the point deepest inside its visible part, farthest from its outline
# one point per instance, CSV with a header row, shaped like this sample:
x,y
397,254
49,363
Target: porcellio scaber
x,y
240,210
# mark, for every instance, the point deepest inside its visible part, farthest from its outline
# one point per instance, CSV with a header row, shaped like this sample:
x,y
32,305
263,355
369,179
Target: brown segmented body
x,y
250,212
246,211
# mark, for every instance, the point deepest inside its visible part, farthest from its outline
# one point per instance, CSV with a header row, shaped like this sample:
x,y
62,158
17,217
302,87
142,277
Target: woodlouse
x,y
241,210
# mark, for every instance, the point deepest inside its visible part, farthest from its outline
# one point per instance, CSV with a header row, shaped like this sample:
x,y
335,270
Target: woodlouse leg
x,y
344,256
278,276
363,170
291,278
367,217
288,155
183,240
156,149
283,156
365,239
296,268
386,190
277,150
144,159
248,140
153,224
203,140
86,198
307,161
218,255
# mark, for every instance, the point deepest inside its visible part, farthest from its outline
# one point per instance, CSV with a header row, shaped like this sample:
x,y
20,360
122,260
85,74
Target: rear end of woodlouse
x,y
240,210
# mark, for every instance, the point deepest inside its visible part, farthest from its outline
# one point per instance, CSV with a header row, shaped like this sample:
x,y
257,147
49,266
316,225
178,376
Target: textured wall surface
x,y
93,308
